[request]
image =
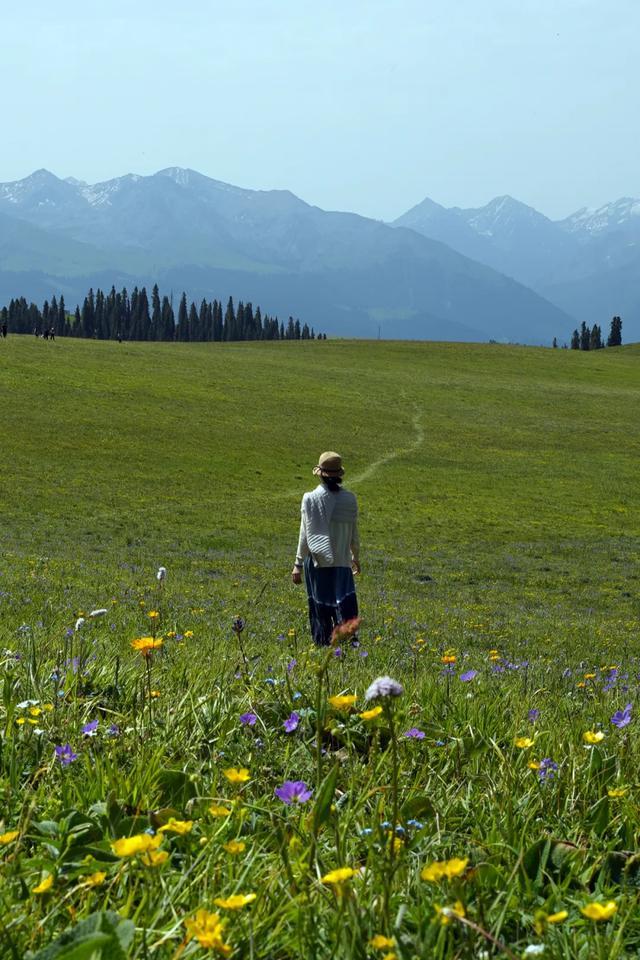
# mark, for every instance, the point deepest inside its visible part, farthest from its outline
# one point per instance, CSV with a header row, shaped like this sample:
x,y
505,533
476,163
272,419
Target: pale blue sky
x,y
367,106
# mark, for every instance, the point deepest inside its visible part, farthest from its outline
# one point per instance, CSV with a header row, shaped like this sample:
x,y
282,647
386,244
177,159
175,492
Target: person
x,y
328,549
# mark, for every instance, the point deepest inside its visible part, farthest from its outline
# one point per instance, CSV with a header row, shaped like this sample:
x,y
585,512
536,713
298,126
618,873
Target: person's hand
x,y
355,566
296,575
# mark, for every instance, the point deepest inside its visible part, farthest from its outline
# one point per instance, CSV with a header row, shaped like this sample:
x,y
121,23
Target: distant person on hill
x,y
4,331
328,549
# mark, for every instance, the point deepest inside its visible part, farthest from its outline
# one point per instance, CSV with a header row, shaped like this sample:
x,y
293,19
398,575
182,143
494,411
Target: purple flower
x,y
533,715
65,754
337,652
113,730
291,665
90,729
414,734
291,723
547,769
622,718
238,625
248,719
469,675
293,791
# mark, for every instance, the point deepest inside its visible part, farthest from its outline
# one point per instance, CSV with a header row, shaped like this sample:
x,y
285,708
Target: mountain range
x,y
502,272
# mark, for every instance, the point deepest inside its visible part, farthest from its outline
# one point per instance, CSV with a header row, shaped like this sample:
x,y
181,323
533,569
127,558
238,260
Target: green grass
x,y
499,496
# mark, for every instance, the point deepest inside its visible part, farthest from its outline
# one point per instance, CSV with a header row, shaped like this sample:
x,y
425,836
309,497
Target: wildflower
x,y
444,869
339,876
100,612
291,665
65,754
292,722
219,811
613,792
138,843
533,715
414,734
161,574
468,675
154,858
207,929
79,623
593,736
293,791
446,913
371,714
237,774
547,769
238,625
448,659
384,687
342,701
523,743
44,885
188,634
557,917
8,837
95,879
34,711
599,911
90,729
113,730
176,826
622,718
380,942
248,719
234,846
534,950
153,614
345,630
236,901
146,645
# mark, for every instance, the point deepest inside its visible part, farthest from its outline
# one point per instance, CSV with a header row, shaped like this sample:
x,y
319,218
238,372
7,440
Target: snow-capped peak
x,y
611,216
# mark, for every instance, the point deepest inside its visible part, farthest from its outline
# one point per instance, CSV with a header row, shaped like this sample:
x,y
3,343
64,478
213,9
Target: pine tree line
x,y
591,338
123,316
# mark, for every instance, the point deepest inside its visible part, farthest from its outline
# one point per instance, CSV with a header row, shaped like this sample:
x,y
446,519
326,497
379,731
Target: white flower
x,y
534,950
79,622
100,612
161,574
384,687
27,703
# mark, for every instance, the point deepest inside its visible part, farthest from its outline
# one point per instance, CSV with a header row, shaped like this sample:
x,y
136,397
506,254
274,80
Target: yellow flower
x,y
342,701
613,792
154,858
448,658
533,765
557,917
338,876
188,634
48,707
177,826
237,774
153,614
217,811
139,843
380,942
9,837
371,714
523,743
236,901
235,846
95,879
593,736
20,721
600,911
44,885
446,913
146,645
589,676
206,928
35,711
444,869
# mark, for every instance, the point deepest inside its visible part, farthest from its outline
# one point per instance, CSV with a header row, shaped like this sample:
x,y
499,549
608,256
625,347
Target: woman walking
x,y
328,549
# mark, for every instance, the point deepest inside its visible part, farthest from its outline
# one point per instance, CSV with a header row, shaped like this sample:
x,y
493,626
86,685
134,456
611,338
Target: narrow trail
x,y
401,452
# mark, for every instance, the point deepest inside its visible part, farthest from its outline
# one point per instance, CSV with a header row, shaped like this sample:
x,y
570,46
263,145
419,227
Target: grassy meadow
x,y
490,809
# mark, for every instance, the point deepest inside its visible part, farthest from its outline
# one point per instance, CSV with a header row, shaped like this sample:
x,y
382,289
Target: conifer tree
x,y
615,333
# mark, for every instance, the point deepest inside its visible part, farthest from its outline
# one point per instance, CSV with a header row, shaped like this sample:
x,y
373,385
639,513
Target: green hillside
x,y
500,509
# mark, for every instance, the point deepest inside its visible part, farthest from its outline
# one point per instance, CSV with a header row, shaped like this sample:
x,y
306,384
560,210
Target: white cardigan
x,y
328,528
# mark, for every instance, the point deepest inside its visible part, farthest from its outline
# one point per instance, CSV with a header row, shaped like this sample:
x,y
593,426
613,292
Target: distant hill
x,y
586,264
339,272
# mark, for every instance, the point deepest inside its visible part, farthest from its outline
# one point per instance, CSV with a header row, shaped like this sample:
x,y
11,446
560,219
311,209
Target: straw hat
x,y
329,465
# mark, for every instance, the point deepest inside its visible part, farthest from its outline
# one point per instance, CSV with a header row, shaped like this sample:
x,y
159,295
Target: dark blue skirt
x,y
331,592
